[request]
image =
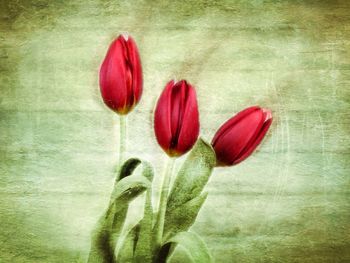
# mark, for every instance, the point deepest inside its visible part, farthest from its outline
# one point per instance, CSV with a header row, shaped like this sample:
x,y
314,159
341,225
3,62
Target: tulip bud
x,y
121,75
176,120
239,136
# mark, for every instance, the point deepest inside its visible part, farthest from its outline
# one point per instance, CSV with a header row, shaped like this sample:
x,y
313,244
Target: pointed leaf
x,y
194,246
181,218
186,199
193,175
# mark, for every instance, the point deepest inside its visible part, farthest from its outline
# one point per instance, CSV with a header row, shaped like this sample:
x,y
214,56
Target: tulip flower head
x,y
121,75
176,120
239,136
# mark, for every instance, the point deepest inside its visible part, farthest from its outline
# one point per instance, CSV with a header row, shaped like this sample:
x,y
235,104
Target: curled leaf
x,y
107,231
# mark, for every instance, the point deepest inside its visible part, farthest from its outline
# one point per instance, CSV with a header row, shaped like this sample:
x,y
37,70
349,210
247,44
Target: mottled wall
x,y
289,202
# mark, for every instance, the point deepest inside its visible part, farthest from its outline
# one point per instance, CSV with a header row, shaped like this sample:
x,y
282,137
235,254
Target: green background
x,y
289,202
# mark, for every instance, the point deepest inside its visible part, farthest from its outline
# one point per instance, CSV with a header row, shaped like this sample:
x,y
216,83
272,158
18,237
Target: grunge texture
x,y
289,202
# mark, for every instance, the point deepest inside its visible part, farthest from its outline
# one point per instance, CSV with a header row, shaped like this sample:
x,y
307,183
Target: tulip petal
x,y
136,70
175,112
112,75
162,120
255,141
190,122
231,122
128,74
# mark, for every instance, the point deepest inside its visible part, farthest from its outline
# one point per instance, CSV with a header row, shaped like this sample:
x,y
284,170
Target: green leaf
x,y
143,245
186,199
127,251
135,234
110,224
130,187
140,234
181,218
128,168
194,246
193,175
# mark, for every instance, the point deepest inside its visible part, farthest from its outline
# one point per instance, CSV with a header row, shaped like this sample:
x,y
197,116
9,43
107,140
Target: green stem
x,y
121,153
122,142
122,138
122,150
116,244
159,227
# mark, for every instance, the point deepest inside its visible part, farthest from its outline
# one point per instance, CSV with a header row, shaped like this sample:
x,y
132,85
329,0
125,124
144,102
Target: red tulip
x,y
239,136
121,75
176,120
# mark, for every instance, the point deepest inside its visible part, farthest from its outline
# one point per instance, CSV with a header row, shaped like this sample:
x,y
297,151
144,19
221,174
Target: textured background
x,y
289,202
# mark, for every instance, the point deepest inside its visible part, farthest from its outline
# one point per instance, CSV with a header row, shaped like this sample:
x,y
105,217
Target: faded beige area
x,y
289,202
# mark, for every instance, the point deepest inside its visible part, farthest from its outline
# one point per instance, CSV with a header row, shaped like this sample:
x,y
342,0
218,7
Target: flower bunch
x,y
176,127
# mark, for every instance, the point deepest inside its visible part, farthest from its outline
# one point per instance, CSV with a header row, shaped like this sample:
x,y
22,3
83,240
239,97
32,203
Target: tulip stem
x,y
159,227
122,145
122,139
